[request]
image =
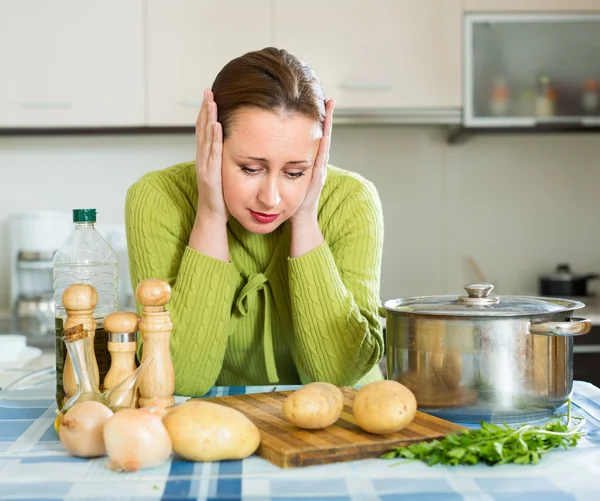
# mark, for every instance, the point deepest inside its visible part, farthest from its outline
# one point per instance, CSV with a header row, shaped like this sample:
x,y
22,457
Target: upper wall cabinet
x,y
71,63
189,41
531,5
377,54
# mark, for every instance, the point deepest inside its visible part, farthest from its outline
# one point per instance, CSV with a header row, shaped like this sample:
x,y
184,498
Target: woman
x,y
273,256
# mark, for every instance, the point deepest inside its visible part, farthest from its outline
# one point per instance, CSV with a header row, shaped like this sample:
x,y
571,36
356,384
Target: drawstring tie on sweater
x,y
246,302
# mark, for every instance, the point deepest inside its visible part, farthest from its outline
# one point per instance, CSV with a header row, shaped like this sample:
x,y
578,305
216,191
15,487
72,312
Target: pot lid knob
x,y
479,295
479,290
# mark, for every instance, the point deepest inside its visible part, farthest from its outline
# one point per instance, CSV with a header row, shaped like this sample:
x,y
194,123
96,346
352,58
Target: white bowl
x,y
27,355
12,347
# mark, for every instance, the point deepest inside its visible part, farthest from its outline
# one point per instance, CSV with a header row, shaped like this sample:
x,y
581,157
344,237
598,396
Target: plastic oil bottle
x,y
85,258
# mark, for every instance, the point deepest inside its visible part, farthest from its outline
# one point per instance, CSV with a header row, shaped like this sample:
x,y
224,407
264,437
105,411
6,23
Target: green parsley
x,y
495,444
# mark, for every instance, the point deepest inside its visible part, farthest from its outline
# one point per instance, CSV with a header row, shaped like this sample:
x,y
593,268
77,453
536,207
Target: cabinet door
x,y
377,54
531,5
189,41
71,63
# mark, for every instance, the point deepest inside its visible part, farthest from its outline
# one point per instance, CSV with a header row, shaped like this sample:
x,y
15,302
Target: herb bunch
x,y
495,444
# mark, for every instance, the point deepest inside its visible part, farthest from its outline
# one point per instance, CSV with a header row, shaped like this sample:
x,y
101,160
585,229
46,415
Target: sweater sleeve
x,y
202,287
335,294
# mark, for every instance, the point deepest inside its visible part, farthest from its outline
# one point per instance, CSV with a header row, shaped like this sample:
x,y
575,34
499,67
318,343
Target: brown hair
x,y
269,79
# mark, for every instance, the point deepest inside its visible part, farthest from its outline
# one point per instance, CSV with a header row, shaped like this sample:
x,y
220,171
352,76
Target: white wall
x,y
518,204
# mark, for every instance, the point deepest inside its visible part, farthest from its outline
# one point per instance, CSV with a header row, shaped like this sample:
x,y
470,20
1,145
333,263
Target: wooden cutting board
x,y
288,446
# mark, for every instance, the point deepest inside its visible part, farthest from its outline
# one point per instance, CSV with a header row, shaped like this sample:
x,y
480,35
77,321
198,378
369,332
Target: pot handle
x,y
576,327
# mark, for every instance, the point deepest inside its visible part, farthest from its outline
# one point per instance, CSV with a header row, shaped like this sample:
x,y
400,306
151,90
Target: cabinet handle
x,y
590,121
191,103
355,86
586,348
45,105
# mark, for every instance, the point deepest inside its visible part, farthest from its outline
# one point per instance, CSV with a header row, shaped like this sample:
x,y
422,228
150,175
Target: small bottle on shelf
x,y
545,100
589,97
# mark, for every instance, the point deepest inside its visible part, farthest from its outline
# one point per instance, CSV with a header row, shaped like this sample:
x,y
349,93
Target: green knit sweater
x,y
263,318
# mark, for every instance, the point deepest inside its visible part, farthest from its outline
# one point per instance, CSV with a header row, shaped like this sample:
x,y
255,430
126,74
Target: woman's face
x,y
267,166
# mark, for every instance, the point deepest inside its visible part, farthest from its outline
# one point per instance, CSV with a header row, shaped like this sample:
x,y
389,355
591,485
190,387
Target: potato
x,y
384,407
204,431
314,406
451,373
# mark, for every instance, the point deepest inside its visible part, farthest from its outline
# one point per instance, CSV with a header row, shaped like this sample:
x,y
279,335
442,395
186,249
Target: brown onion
x,y
136,438
81,429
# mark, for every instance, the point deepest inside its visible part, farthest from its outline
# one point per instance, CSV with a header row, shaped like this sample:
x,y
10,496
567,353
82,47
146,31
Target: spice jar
x,y
526,103
545,100
589,97
500,96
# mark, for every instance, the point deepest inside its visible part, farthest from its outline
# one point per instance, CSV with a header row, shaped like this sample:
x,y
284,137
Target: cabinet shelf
x,y
461,134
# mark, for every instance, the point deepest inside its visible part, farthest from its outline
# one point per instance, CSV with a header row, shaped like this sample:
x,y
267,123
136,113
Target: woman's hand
x,y
209,234
306,234
209,159
309,207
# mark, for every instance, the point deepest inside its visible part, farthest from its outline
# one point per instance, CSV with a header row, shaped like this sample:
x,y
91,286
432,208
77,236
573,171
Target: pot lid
x,y
478,303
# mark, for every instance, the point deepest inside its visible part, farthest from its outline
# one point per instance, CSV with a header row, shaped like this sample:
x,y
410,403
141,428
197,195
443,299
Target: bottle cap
x,y
84,215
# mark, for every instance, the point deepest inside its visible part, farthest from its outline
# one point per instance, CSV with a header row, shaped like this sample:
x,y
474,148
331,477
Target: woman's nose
x,y
269,194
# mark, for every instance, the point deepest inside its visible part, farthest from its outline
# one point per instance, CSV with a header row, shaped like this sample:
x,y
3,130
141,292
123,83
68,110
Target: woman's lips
x,y
262,217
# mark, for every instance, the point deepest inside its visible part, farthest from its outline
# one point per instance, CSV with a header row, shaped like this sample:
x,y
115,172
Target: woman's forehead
x,y
259,130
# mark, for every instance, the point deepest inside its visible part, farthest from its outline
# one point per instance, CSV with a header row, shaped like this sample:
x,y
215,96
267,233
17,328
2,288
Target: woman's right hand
x,y
209,159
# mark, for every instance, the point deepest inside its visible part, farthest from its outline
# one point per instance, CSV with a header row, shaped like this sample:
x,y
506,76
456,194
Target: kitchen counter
x,y
9,375
33,464
591,310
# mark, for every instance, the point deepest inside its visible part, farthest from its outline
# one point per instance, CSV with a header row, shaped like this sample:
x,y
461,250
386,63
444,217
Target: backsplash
x,y
517,204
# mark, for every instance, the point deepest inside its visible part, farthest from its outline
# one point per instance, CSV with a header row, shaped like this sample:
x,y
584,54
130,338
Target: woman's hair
x,y
269,79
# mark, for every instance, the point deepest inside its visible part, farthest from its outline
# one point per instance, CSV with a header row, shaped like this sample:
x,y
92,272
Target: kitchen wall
x,y
517,204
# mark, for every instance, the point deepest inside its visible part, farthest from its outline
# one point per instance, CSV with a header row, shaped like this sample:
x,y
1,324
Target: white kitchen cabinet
x,y
530,5
377,54
71,63
189,41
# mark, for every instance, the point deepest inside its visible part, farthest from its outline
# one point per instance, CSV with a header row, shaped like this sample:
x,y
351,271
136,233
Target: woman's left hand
x,y
309,207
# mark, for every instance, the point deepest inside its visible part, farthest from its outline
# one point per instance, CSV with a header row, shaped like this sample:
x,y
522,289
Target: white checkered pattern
x,y
34,466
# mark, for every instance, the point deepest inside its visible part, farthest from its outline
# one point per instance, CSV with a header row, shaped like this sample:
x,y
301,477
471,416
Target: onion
x,y
81,429
136,438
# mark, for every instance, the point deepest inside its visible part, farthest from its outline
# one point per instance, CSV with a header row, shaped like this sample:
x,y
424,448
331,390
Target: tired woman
x,y
273,255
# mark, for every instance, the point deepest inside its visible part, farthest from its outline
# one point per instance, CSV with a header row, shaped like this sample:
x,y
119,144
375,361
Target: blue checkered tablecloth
x,y
34,466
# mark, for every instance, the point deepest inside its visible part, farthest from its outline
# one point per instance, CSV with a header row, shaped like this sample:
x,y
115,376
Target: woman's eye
x,y
295,175
248,170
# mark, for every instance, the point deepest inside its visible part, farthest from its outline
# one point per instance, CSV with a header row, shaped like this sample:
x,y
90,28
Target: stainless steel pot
x,y
478,357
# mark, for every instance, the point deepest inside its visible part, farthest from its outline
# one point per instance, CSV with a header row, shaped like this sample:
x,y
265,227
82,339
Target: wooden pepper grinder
x,y
122,330
155,327
79,301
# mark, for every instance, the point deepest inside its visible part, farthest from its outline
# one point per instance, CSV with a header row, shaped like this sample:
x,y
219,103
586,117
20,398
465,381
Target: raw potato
x,y
314,406
451,372
384,407
204,431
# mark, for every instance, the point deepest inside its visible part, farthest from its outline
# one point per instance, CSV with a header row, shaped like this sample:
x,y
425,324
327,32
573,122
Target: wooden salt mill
x,y
79,301
121,331
155,327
